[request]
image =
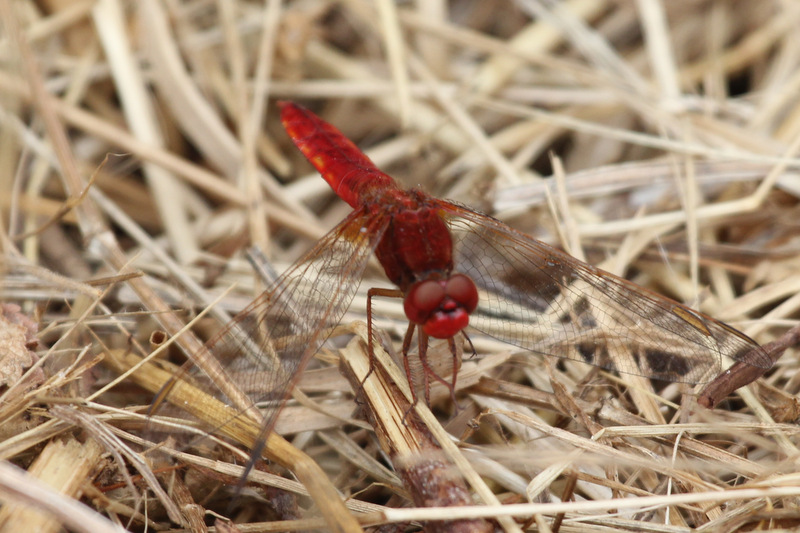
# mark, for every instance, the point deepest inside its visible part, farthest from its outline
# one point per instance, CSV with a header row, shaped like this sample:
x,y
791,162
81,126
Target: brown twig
x,y
741,373
415,454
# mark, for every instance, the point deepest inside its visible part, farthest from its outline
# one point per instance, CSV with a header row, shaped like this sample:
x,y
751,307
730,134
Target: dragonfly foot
x,y
359,391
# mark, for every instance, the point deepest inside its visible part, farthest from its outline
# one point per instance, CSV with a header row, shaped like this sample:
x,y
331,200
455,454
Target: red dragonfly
x,y
458,269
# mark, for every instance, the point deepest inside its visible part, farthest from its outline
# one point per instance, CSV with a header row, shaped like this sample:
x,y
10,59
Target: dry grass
x,y
141,153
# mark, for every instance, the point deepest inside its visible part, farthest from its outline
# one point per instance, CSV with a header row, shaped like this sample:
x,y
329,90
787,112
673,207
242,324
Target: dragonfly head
x,y
441,307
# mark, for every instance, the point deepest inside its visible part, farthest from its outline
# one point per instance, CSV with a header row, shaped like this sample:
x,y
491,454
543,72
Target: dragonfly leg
x,y
407,367
371,293
471,346
427,371
451,343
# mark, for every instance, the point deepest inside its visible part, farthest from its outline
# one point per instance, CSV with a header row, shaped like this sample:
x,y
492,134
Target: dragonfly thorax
x,y
417,244
416,254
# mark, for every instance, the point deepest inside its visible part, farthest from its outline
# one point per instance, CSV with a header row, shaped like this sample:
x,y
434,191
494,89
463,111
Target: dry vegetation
x,y
141,155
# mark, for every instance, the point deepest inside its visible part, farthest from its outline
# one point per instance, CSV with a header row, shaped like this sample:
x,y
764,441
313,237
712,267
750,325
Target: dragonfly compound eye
x,y
462,289
422,299
442,307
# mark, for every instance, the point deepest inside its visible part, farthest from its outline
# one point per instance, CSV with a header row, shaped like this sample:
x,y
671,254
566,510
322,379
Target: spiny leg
x,y
407,367
371,293
451,343
427,371
471,346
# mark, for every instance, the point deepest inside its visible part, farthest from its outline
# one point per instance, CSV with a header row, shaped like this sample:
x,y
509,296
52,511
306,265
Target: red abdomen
x,y
350,173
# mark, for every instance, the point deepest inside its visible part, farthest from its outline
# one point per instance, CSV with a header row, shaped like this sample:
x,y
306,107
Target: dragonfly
x,y
458,271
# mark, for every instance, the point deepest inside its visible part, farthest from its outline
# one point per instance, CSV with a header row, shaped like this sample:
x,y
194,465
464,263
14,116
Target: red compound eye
x,y
442,307
422,299
462,289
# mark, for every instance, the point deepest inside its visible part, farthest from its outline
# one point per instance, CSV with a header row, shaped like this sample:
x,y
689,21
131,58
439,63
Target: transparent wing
x,y
266,347
538,298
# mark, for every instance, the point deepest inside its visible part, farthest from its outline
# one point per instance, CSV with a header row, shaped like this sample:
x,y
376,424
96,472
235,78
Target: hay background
x,y
676,125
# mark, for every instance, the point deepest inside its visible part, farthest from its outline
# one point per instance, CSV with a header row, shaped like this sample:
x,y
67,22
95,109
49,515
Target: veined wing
x,y
541,299
266,347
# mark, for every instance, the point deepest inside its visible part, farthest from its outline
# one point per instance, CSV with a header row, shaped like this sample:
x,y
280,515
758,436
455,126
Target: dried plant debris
x,y
17,341
142,155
